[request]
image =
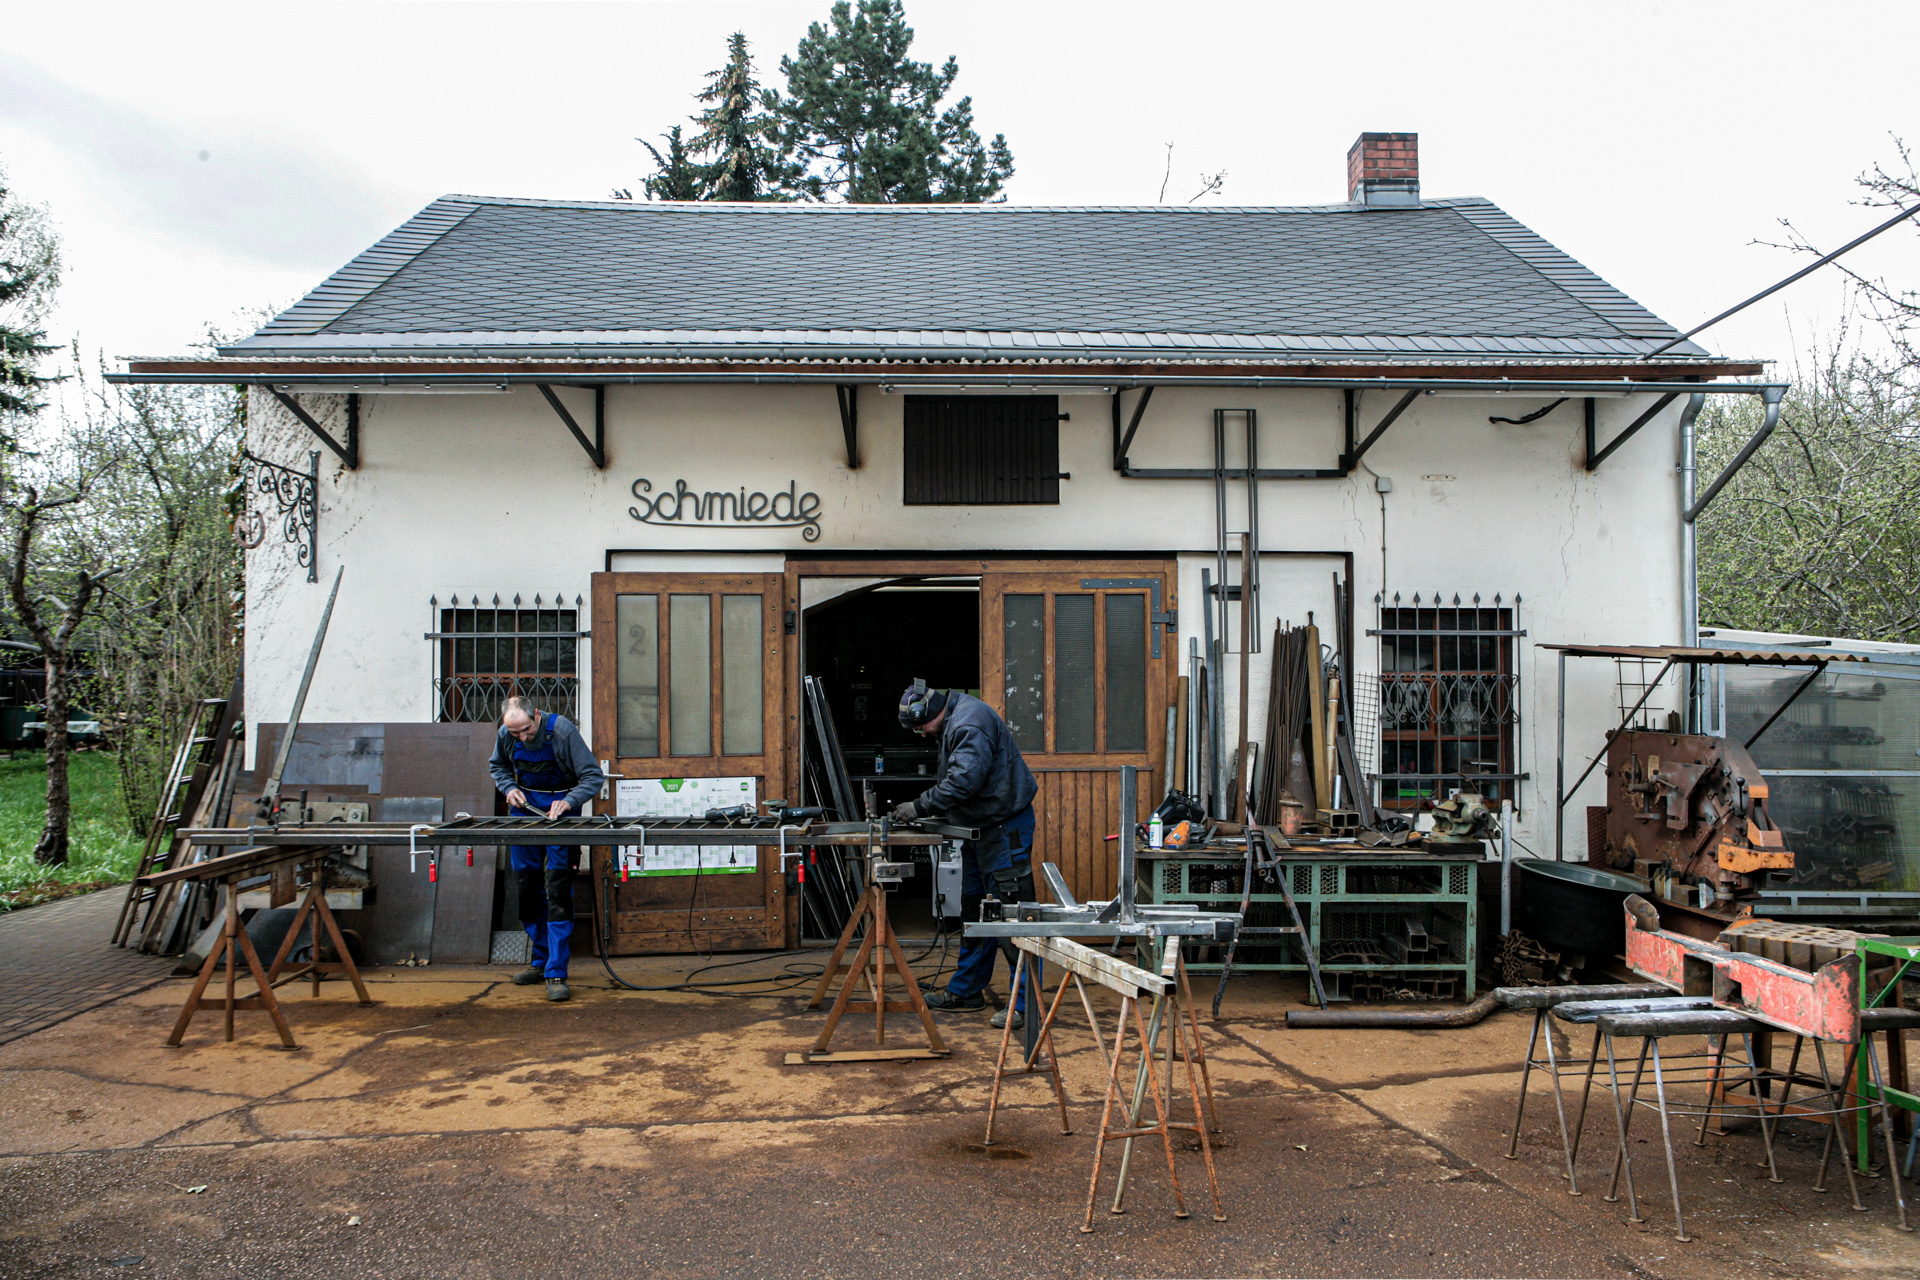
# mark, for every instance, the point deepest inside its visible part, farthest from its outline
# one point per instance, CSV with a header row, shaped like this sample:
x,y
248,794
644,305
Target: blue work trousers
x,y
545,878
1000,861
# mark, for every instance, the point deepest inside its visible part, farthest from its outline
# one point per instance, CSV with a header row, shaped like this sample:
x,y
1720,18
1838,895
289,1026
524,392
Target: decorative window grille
x,y
1449,700
487,652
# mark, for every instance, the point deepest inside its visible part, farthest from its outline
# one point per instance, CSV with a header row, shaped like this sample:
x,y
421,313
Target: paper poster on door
x,y
685,797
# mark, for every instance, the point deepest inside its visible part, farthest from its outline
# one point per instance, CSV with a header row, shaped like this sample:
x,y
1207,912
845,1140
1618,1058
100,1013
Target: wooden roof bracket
x,y
597,447
349,453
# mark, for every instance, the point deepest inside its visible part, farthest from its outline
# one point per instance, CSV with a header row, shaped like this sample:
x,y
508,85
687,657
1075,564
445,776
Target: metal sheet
x,y
398,924
337,755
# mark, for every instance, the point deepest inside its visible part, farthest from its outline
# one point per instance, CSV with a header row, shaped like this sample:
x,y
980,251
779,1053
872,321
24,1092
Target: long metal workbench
x,y
1357,903
578,832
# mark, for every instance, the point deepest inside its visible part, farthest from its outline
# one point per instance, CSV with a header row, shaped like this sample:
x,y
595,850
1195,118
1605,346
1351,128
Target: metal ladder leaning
x,y
1261,858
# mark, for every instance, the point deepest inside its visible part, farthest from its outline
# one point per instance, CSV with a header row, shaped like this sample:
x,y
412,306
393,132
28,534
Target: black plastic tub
x,y
1571,907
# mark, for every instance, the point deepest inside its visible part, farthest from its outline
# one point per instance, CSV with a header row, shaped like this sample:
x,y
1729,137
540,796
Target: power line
x,y
1804,271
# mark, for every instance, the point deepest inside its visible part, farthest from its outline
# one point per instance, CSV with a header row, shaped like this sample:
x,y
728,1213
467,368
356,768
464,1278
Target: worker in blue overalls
x,y
984,783
542,766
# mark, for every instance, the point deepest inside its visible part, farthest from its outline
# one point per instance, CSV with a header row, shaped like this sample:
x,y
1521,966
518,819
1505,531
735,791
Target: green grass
x,y
104,849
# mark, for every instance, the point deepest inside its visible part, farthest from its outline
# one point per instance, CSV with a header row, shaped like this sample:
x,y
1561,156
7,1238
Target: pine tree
x,y
861,121
675,175
29,271
733,130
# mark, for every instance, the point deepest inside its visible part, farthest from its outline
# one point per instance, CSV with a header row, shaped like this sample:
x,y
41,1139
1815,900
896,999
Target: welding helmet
x,y
920,704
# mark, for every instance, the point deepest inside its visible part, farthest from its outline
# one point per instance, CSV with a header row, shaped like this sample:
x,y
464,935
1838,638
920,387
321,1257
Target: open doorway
x,y
867,644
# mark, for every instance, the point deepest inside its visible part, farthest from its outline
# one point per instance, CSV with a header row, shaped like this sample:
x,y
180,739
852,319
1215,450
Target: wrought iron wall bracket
x,y
848,397
349,453
597,447
296,505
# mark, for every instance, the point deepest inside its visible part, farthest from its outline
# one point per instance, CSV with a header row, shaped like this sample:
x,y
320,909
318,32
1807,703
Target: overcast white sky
x,y
206,161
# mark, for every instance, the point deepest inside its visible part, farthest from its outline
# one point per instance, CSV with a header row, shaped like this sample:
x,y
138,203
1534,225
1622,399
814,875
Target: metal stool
x,y
1651,1027
1545,1000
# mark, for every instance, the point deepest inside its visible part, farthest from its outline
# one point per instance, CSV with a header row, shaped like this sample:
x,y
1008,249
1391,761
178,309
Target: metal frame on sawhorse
x,y
1169,992
1044,929
1073,959
869,966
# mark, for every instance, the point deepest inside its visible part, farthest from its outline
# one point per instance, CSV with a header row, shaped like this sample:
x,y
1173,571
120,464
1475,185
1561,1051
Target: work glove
x,y
905,811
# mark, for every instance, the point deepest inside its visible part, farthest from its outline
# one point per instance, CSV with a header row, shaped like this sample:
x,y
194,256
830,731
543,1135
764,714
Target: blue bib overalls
x,y
1000,860
544,873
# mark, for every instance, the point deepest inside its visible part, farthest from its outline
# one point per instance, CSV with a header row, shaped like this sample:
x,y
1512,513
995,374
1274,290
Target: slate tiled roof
x,y
1449,278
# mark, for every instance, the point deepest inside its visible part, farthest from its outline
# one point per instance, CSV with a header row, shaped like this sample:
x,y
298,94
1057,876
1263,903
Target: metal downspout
x,y
1689,552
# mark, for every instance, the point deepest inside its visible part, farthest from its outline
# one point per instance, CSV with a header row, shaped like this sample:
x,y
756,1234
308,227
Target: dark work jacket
x,y
983,780
570,752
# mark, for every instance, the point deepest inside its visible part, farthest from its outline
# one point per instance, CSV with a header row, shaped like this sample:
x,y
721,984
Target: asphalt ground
x,y
463,1127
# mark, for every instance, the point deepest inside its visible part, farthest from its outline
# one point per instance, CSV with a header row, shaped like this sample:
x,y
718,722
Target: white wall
x,y
490,494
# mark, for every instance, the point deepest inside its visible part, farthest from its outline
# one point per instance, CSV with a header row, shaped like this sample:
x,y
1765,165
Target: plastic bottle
x,y
1155,831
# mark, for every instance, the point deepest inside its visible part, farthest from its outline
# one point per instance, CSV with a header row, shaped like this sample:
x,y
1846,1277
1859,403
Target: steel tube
x,y
1689,554
1506,867
1465,1016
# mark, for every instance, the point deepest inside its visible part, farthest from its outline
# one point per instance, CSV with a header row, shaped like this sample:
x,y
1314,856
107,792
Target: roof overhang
x,y
372,375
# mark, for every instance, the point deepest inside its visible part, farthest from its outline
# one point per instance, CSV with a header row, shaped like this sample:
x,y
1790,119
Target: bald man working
x,y
543,767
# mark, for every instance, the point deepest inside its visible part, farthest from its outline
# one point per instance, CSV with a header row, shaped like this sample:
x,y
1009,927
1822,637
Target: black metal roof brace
x,y
847,394
349,453
597,447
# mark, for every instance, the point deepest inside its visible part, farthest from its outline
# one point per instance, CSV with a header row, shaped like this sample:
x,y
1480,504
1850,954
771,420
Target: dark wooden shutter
x,y
982,450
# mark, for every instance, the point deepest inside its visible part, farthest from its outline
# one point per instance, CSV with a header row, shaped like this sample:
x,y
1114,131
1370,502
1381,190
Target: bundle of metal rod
x,y
1285,765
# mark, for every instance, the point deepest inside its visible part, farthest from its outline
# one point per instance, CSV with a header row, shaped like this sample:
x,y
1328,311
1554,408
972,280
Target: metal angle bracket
x,y
1123,442
597,447
848,397
1351,458
1596,457
349,453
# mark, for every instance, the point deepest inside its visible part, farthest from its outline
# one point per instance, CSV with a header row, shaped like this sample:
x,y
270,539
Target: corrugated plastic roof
x,y
1447,278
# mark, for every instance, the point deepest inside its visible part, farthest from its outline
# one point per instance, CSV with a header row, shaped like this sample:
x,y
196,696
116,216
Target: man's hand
x,y
905,812
517,798
558,809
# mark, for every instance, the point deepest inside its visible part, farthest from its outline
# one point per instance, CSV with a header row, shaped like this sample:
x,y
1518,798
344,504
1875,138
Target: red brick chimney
x,y
1384,169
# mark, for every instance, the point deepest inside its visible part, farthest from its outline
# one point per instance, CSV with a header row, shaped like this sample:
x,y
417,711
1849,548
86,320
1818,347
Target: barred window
x,y
487,655
1449,701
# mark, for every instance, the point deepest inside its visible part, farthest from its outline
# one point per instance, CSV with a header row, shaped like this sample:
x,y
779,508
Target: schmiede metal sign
x,y
683,506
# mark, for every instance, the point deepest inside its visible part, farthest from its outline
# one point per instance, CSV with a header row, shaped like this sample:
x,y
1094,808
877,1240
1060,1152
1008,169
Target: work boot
x,y
557,989
946,1000
1000,1019
528,976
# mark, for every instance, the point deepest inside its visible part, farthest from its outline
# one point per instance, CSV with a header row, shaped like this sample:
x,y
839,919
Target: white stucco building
x,y
731,446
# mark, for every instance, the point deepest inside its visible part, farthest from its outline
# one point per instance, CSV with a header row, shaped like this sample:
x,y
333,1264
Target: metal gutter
x,y
933,381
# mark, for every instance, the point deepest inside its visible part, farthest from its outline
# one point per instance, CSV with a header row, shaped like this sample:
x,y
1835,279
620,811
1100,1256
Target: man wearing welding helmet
x,y
984,783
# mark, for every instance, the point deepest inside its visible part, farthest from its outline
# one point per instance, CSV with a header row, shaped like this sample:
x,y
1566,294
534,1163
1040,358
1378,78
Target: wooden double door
x,y
1081,658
